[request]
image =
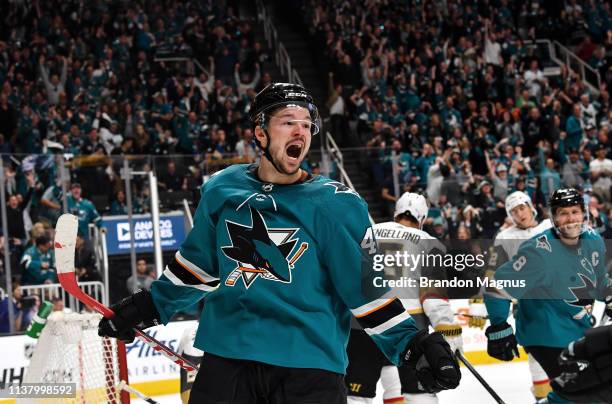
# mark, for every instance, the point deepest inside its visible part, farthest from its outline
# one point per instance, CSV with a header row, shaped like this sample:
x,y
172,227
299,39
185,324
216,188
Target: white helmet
x,y
413,204
518,198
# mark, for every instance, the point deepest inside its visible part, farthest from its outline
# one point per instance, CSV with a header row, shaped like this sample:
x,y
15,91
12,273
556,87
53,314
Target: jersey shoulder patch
x,y
230,177
340,188
591,234
542,242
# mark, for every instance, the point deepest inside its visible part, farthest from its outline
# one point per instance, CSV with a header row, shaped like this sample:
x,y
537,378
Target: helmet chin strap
x,y
266,151
561,233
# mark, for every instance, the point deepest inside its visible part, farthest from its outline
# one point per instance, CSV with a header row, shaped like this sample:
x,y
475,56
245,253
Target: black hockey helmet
x,y
277,95
565,197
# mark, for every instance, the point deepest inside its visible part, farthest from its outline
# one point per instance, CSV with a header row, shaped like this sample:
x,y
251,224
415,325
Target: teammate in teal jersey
x,y
563,270
283,259
83,209
38,263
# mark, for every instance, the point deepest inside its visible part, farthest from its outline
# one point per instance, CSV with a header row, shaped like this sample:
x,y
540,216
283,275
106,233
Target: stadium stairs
x,y
356,164
248,11
288,25
296,41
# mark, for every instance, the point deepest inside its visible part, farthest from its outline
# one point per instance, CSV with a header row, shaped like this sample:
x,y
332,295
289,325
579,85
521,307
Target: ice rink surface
x,y
511,381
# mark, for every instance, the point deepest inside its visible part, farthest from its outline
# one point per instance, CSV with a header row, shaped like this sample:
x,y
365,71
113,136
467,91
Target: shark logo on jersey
x,y
584,292
260,251
341,188
542,242
583,296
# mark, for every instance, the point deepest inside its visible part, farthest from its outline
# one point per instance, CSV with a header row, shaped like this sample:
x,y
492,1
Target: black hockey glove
x,y
136,310
609,306
587,368
435,366
501,342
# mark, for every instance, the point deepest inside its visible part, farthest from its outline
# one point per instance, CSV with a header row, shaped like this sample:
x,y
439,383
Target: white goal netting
x,y
69,350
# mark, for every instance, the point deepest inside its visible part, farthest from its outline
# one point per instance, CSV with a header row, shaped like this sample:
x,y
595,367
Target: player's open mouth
x,y
295,150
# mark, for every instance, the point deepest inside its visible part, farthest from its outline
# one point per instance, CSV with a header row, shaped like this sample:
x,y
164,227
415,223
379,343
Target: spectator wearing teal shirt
x,y
119,206
38,263
83,209
549,177
573,128
451,117
424,162
404,161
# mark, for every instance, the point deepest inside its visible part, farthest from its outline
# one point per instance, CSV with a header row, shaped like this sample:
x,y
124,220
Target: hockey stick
x,y
471,316
126,387
64,244
482,381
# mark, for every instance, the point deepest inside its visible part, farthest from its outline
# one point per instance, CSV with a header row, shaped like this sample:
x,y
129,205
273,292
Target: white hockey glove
x,y
477,313
442,318
452,334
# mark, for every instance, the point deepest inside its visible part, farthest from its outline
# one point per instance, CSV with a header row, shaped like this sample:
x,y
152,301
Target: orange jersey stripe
x,y
377,308
190,271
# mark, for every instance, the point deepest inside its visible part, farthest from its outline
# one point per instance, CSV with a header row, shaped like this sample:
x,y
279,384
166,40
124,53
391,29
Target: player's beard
x,y
278,158
571,230
281,169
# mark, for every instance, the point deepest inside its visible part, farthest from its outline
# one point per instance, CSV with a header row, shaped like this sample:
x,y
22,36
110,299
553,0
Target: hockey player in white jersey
x,y
521,211
189,351
426,305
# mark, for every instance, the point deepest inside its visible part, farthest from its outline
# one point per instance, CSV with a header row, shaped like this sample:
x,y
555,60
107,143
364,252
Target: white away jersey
x,y
415,245
510,239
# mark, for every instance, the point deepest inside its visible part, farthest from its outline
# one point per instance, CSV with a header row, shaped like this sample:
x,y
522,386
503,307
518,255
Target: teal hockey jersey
x,y
560,283
282,268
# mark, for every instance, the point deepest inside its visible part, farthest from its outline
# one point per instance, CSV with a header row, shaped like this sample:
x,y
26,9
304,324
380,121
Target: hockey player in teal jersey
x,y
283,259
555,276
523,215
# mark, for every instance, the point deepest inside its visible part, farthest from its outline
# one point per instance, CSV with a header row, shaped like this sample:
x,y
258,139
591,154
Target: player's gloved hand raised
x,y
435,366
136,310
587,368
477,313
452,334
501,342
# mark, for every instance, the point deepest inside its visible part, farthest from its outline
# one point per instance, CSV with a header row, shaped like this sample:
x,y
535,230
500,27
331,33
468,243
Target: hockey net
x,y
69,350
